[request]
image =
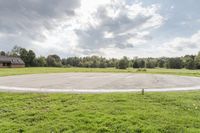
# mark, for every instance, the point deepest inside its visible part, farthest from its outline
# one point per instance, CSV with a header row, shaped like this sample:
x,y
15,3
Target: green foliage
x,y
40,61
150,63
161,62
15,51
174,63
135,64
27,56
197,61
138,63
141,70
113,113
54,61
24,56
188,62
30,59
89,62
2,53
123,63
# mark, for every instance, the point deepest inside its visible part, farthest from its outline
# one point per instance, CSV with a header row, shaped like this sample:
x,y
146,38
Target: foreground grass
x,y
154,112
37,70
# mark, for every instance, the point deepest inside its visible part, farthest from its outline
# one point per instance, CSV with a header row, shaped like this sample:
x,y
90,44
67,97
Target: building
x,y
11,62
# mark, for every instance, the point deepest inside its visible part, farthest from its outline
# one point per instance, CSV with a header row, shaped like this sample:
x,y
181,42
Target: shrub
x,y
141,70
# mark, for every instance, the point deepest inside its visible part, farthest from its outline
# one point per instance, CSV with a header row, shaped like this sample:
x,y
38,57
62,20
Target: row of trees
x,y
31,60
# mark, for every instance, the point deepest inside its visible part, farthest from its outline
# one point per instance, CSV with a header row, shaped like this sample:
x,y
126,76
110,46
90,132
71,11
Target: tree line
x,y
31,60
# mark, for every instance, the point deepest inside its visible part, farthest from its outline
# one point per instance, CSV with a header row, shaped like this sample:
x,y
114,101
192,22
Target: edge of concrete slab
x,y
42,90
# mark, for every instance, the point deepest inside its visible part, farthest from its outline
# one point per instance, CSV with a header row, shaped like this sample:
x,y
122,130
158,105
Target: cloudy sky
x,y
109,28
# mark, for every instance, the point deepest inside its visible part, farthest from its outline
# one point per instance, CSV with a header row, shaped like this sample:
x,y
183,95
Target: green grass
x,y
170,112
20,71
174,112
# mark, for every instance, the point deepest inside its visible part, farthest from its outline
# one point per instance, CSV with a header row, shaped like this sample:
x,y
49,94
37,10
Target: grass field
x,y
20,71
170,112
55,113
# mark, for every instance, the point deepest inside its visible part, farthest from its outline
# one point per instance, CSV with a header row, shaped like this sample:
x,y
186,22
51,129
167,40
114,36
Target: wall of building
x,y
2,66
12,66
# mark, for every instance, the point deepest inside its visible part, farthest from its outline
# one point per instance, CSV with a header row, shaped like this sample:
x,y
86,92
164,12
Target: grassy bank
x,y
117,113
20,71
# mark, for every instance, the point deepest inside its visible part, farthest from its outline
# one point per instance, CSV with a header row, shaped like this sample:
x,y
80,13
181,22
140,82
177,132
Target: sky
x,y
108,28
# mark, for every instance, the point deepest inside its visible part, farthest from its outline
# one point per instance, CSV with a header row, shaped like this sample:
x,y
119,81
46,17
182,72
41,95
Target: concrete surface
x,y
97,82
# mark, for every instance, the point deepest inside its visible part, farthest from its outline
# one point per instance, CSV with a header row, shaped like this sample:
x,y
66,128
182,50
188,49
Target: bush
x,y
141,70
123,63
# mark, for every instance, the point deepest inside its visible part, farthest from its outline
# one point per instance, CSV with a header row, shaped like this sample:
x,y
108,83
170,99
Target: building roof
x,y
12,60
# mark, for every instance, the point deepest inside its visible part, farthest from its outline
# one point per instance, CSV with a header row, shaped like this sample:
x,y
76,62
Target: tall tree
x,y
150,63
141,63
123,63
197,61
23,53
160,62
31,57
40,62
2,53
15,51
174,63
135,63
54,61
188,61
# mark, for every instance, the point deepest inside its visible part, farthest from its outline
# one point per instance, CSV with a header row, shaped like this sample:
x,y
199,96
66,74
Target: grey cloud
x,y
26,19
122,28
186,45
25,22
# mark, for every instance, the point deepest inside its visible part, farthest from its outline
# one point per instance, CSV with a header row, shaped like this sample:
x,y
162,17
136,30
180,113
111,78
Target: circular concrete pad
x,y
89,82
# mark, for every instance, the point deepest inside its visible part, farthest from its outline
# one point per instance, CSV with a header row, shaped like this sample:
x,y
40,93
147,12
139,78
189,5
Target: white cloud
x,y
77,27
115,24
103,24
187,43
31,22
